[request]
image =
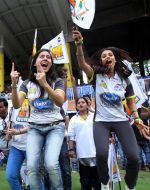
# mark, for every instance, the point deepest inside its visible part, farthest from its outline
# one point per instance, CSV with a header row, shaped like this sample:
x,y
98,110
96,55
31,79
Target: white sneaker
x,y
105,187
126,188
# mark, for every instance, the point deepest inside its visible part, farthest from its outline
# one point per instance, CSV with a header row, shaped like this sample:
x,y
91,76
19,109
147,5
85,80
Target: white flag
x,y
112,165
140,96
58,48
82,12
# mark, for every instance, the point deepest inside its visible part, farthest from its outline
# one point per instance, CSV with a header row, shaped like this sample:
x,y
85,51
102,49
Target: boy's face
x,y
3,110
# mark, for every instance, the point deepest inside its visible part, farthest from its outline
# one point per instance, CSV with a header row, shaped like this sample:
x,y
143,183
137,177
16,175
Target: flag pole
x,y
34,43
115,143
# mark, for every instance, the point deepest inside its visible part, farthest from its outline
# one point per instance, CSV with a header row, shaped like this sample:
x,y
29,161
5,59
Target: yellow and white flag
x,y
140,96
34,43
58,49
82,12
112,165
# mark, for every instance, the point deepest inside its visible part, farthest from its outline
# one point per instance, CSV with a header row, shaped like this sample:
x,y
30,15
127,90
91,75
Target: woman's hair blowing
x,y
120,55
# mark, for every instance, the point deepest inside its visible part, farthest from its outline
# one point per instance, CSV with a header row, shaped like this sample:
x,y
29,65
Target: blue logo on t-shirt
x,y
110,99
43,103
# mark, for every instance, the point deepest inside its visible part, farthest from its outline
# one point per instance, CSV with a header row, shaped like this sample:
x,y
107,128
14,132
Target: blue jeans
x,y
14,163
64,162
143,146
51,138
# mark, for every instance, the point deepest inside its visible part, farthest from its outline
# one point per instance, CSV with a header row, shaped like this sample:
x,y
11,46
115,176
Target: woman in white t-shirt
x,y
17,153
80,134
46,94
107,69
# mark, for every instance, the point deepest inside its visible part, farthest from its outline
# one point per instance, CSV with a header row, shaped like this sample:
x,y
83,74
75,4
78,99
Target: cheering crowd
x,y
47,138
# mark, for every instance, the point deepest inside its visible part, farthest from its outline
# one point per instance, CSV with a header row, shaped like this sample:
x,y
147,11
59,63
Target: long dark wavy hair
x,y
50,75
120,67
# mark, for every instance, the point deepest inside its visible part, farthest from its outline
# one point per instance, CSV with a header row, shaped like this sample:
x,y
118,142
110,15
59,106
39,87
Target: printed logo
x,y
118,87
43,104
103,84
110,99
32,90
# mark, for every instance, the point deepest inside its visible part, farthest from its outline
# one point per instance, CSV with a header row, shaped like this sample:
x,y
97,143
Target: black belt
x,y
48,124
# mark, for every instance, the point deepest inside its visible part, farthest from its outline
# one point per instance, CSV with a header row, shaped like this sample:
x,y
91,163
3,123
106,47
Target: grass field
x,y
142,184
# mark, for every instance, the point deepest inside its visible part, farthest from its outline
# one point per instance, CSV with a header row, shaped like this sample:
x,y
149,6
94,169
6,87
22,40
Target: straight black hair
x,y
50,75
4,101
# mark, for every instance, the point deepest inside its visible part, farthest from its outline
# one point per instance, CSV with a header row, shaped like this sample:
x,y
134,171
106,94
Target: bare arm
x,y
74,86
13,131
80,54
67,121
132,106
58,95
71,148
145,113
17,97
146,132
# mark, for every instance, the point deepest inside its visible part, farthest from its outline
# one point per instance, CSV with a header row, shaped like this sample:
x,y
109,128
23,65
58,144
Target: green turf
x,y
142,184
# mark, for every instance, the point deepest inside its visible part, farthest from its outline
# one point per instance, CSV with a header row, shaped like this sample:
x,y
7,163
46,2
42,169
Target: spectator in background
x,y
4,122
3,109
91,109
143,142
17,153
80,134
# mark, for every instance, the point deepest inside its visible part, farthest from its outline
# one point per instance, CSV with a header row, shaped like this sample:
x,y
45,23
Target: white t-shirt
x,y
109,95
19,119
81,131
43,110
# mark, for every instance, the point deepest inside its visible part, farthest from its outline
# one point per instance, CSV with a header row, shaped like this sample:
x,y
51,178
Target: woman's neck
x,y
83,113
111,73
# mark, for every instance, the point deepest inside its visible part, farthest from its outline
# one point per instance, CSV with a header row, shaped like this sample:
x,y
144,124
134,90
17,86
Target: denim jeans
x,y
64,161
51,138
14,163
143,146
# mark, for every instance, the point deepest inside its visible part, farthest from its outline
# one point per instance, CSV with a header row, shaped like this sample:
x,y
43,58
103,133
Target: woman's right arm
x,y
80,54
17,97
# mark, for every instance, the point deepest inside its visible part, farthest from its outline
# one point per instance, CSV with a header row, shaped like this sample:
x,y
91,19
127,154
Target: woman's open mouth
x,y
108,62
44,65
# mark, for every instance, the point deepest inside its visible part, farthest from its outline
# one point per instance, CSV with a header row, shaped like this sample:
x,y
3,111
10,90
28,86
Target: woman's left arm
x,y
132,106
130,99
58,95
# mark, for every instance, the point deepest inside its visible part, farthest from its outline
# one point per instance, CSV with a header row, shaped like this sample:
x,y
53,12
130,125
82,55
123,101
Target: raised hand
x,y
139,124
73,80
40,75
76,35
14,75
